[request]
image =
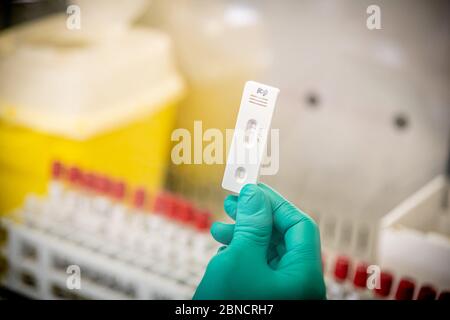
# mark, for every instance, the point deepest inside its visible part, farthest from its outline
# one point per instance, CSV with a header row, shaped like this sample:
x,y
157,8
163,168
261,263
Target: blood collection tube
x,y
202,220
426,292
57,170
103,185
101,202
201,241
74,176
360,291
156,221
75,180
69,201
384,290
118,190
360,277
89,182
336,287
172,206
185,211
95,205
139,198
136,219
42,213
405,289
341,269
118,211
56,186
161,203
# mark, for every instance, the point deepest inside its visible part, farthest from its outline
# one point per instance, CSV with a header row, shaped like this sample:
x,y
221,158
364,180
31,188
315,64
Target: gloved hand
x,y
271,252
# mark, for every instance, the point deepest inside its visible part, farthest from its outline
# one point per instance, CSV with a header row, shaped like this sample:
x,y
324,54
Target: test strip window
x,y
250,136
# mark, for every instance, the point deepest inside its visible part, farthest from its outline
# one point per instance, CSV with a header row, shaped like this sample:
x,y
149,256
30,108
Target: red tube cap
x,y
57,170
386,280
74,175
118,190
427,292
103,184
172,206
405,290
202,220
89,181
139,198
360,278
185,211
160,205
341,268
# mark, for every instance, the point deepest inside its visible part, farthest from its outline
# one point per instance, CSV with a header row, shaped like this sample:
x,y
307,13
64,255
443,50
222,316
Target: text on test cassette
x,y
250,136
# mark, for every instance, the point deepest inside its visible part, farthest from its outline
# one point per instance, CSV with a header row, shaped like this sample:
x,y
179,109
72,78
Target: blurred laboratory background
x,y
91,91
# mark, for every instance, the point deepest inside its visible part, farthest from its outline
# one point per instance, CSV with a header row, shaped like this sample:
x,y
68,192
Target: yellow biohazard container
x,y
103,101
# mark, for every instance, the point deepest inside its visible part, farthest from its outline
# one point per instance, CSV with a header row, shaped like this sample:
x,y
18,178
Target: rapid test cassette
x,y
250,136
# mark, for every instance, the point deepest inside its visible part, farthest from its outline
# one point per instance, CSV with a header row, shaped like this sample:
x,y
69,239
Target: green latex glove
x,y
271,252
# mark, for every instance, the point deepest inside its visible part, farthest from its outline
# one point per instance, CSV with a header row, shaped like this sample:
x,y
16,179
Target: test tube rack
x,y
122,250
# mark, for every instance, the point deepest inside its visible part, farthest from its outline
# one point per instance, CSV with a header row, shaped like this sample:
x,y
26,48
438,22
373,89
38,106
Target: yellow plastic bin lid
x,y
75,84
105,103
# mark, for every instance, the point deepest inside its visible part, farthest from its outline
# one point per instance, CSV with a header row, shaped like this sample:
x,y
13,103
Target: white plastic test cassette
x,y
250,136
